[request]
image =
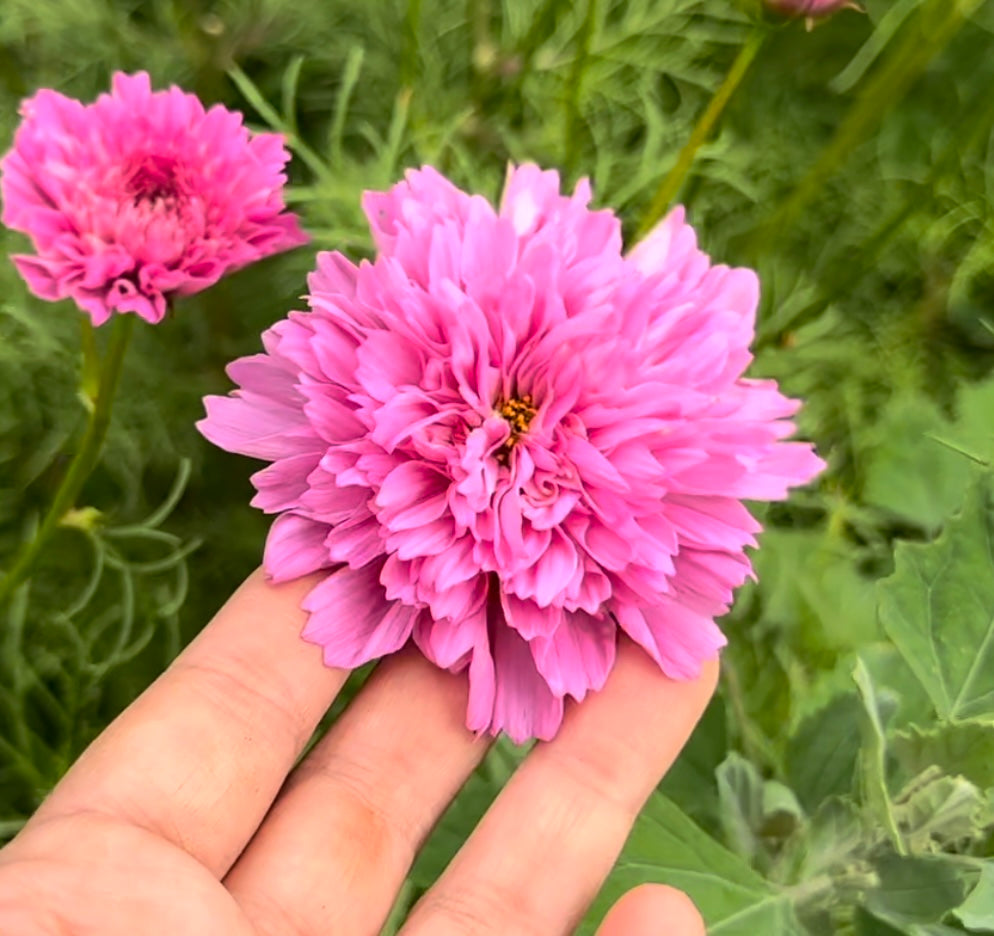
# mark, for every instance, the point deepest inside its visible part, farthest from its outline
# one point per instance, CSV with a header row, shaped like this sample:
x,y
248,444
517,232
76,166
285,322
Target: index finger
x,y
199,757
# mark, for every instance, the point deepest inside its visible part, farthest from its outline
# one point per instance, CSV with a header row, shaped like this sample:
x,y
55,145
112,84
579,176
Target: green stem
x,y
670,185
976,119
755,746
89,378
930,30
85,459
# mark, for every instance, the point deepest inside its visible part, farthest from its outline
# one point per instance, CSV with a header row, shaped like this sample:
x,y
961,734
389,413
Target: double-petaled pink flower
x,y
507,441
140,196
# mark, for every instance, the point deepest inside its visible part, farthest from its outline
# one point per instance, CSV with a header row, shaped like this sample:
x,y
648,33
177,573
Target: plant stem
x,y
85,459
927,34
755,746
89,377
670,185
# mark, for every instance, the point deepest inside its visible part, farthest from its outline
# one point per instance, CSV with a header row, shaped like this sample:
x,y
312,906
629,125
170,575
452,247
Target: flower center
x,y
518,413
153,180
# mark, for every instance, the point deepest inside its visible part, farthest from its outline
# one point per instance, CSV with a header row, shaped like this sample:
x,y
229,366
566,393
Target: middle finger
x,y
334,850
543,849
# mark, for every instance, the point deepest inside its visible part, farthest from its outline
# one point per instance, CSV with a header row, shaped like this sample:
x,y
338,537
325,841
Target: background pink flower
x,y
810,8
140,196
506,441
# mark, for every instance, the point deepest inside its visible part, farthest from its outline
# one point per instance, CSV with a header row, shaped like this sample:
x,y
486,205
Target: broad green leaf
x,y
976,913
973,431
938,608
811,585
691,782
890,672
965,748
869,925
665,846
823,751
908,472
919,892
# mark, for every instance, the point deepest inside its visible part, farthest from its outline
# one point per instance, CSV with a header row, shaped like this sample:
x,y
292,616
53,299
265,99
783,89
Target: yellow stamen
x,y
518,413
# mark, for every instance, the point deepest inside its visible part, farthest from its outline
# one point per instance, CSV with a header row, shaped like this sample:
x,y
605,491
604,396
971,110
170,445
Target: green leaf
x,y
811,585
873,756
936,811
665,846
822,753
831,841
890,672
908,472
938,608
740,793
919,891
965,748
973,431
869,925
350,75
976,913
691,781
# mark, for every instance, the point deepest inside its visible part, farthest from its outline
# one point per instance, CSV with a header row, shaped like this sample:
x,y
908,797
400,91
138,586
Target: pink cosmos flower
x,y
140,196
812,9
507,441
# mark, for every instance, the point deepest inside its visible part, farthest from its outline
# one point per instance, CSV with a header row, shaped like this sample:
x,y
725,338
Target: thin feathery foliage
x,y
853,167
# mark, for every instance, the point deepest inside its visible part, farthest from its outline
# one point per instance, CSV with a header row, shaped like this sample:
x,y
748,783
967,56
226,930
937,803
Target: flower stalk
x,y
87,455
674,179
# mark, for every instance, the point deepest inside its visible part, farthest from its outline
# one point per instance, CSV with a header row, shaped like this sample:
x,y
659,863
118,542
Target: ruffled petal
x,y
578,655
678,639
295,547
507,693
351,620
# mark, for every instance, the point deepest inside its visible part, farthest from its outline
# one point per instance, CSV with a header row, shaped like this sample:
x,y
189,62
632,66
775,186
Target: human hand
x,y
181,817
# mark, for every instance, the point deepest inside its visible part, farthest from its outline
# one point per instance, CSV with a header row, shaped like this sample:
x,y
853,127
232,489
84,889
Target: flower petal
x,y
678,639
578,655
351,619
295,547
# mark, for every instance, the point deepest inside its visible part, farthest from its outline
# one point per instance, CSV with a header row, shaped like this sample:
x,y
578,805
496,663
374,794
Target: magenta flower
x,y
507,441
811,9
140,196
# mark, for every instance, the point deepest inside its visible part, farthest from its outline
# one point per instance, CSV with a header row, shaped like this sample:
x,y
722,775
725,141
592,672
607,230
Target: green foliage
x,y
735,900
965,748
938,608
976,913
842,780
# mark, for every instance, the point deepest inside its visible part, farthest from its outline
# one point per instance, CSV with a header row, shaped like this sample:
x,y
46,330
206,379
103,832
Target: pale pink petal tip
x,y
509,443
140,197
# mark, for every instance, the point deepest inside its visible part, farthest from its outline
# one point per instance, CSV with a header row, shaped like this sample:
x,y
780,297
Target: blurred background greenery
x,y
854,168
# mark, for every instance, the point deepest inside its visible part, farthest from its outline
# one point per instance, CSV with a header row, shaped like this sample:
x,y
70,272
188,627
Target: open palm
x,y
187,816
